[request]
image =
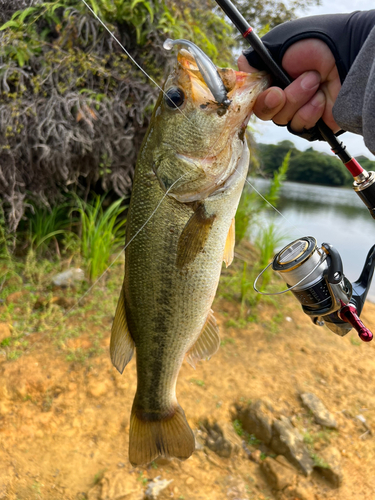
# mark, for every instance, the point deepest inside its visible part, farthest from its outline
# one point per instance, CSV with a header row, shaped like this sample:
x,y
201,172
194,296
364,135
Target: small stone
x,y
222,439
189,480
255,456
116,485
156,487
321,415
68,278
257,419
330,466
303,491
287,441
97,389
278,475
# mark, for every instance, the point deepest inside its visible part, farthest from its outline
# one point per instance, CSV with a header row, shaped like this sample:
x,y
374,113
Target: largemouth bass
x,y
191,167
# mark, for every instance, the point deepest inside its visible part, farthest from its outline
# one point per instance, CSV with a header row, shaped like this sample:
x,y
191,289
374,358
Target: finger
x,y
269,103
307,116
297,94
243,65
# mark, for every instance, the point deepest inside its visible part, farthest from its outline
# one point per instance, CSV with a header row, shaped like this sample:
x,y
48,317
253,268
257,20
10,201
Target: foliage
x,y
102,232
260,13
46,224
307,166
252,204
74,107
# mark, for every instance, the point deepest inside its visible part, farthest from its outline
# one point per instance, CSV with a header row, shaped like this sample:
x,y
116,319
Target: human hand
x,y
310,96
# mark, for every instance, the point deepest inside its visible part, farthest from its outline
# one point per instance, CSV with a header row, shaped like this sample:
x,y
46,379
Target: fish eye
x,y
174,97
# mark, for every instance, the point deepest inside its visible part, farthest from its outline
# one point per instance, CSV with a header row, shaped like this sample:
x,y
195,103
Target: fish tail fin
x,y
152,436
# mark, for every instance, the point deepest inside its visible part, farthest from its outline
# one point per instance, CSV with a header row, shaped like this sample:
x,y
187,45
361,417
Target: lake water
x,y
331,215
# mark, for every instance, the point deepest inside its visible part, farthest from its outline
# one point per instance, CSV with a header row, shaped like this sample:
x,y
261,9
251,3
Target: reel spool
x,y
315,277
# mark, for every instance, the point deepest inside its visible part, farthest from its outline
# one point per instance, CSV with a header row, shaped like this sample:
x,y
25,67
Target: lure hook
x,y
206,67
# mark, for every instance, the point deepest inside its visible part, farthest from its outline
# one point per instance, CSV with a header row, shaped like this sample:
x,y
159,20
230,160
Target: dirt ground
x,y
64,425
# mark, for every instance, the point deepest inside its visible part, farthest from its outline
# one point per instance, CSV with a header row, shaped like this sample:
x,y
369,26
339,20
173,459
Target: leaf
x,y
20,58
10,24
26,13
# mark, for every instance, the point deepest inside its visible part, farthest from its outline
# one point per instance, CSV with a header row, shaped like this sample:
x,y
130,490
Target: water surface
x,y
332,215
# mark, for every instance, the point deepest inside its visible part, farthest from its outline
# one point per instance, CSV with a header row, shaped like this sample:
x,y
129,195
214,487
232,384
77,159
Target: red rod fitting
x,y
349,314
247,32
354,167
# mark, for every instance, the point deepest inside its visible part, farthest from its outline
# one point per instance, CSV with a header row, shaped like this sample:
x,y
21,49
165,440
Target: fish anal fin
x,y
229,245
122,345
193,236
151,437
207,343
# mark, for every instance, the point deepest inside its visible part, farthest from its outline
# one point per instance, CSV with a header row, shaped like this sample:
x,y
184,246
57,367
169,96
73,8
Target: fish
x,y
188,180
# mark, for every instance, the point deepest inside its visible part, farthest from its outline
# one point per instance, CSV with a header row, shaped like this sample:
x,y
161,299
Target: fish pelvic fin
x,y
151,436
229,245
207,343
122,345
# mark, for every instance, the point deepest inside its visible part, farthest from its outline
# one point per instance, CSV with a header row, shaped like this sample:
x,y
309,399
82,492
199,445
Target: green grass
x,y
198,382
102,232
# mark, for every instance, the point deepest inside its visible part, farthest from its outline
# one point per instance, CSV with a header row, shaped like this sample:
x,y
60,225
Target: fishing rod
x,y
315,275
364,182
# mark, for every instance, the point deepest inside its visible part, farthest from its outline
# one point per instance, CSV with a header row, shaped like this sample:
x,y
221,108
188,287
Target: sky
x,y
267,132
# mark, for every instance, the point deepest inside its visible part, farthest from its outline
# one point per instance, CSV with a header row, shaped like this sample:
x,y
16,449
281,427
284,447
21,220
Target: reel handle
x,y
349,314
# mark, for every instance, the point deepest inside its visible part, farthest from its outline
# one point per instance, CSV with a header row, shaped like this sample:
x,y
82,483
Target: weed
x,y
263,456
154,465
99,476
197,382
237,426
142,479
102,231
227,340
355,341
252,440
319,462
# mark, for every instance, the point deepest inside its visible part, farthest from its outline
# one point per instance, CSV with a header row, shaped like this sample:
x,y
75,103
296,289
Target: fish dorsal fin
x,y
122,344
208,342
193,236
229,245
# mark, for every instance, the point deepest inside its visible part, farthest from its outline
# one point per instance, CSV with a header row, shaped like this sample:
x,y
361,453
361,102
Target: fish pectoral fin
x,y
229,245
208,342
193,236
122,345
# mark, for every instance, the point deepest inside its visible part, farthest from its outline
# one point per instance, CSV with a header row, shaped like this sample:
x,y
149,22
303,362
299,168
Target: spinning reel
x,y
315,277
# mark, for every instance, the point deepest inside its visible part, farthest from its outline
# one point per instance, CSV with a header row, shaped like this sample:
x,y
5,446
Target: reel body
x,y
315,277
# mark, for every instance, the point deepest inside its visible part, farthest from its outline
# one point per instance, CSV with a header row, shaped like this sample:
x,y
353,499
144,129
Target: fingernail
x,y
273,99
311,80
318,99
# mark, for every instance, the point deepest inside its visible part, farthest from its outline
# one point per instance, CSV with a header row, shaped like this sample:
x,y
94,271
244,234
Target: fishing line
x,y
112,263
158,86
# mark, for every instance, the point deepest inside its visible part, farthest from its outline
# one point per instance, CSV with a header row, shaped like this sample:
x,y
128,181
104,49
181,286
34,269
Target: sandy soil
x,y
64,425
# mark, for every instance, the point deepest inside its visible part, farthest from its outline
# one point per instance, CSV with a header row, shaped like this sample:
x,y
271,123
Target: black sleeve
x,y
343,33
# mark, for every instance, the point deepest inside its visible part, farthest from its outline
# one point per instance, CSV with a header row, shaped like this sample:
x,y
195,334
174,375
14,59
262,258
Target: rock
x,y
97,389
330,466
222,439
279,472
321,415
68,278
200,439
303,491
255,456
117,485
4,331
157,486
257,419
287,441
